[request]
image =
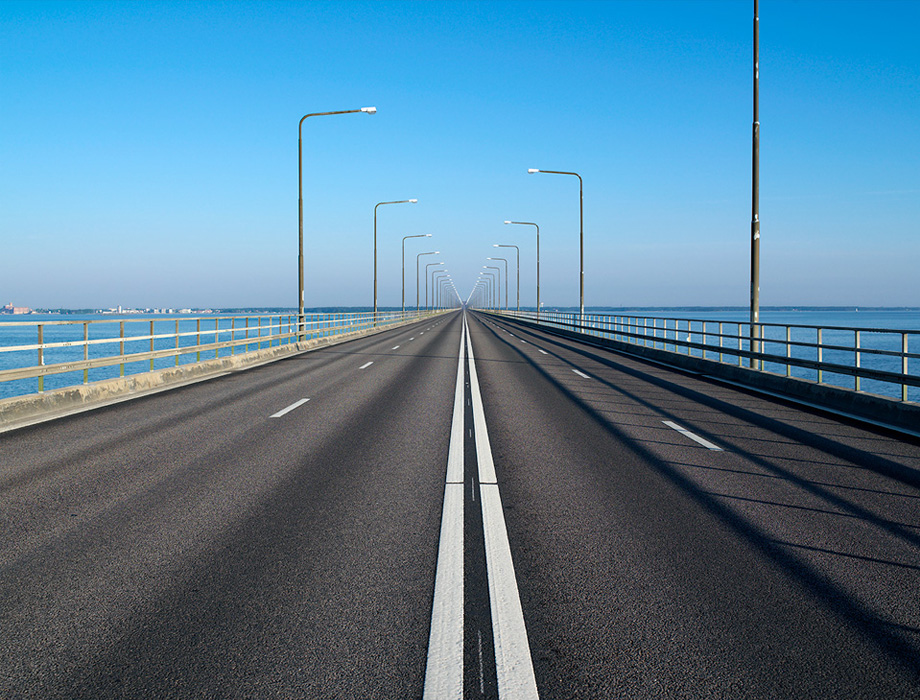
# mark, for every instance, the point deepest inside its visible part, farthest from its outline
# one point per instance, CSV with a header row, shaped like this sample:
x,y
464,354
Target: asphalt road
x,y
670,536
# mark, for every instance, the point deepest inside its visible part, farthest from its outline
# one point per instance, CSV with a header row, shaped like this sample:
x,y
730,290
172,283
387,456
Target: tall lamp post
x,y
581,233
530,223
300,299
437,279
417,259
440,262
379,204
755,199
498,284
488,289
504,260
420,235
518,263
500,281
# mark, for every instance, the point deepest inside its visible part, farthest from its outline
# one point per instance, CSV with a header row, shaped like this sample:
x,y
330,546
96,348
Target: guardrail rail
x,y
882,361
68,353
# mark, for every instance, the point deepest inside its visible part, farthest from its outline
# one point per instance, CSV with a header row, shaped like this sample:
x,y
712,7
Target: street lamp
x,y
440,262
755,200
400,201
530,223
421,235
504,260
487,281
437,279
581,233
300,300
518,251
500,282
417,258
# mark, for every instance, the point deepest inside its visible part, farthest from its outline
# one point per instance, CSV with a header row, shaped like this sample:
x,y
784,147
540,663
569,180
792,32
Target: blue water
x,y
107,326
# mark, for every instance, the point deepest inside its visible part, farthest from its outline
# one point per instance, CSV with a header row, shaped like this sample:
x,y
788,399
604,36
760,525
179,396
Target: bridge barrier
x,y
870,373
148,358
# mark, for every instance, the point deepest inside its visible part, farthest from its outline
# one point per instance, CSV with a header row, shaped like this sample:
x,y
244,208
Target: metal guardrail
x,y
876,360
63,347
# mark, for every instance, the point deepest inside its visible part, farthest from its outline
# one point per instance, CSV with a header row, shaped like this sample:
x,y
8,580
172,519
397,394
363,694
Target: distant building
x,y
10,309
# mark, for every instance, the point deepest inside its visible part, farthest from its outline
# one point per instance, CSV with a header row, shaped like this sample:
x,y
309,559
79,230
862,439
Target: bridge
x,y
468,504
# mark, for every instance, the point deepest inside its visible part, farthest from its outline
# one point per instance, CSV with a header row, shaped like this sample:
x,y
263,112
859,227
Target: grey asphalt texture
x,y
188,545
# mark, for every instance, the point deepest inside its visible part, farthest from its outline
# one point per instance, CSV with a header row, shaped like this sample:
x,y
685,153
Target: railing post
x,y
121,348
904,364
820,357
856,377
740,359
217,338
788,350
720,341
41,357
151,345
177,342
232,335
86,351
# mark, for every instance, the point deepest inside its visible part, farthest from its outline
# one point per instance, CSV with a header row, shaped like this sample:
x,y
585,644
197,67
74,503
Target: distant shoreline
x,y
329,309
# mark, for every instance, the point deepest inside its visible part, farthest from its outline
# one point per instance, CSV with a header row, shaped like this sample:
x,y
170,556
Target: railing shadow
x,y
880,632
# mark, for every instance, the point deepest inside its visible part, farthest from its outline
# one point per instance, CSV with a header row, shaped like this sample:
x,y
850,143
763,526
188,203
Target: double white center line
x,y
514,667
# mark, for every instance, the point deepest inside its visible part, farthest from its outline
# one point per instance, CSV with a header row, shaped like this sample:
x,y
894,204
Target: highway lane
x,y
784,564
190,545
278,533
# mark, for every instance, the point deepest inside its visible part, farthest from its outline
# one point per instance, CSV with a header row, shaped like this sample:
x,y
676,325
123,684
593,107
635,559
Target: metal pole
x,y
530,223
300,293
755,197
426,282
400,201
581,233
421,235
518,263
417,272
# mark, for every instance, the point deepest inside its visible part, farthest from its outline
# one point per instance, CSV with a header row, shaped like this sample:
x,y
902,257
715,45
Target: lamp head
x,y
369,110
413,201
532,170
507,222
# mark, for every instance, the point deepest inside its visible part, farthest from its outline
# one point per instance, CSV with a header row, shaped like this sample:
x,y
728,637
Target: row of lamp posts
x,y
300,257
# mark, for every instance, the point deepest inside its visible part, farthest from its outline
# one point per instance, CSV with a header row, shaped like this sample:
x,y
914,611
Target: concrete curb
x,y
871,408
23,411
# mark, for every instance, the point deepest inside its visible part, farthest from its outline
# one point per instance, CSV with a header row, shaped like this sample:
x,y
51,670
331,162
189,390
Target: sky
x,y
148,150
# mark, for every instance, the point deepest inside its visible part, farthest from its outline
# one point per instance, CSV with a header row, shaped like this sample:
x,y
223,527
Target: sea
x,y
21,330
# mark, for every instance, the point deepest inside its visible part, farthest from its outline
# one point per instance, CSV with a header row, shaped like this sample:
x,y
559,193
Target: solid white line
x,y
683,431
444,669
396,348
513,664
581,374
366,365
290,408
543,351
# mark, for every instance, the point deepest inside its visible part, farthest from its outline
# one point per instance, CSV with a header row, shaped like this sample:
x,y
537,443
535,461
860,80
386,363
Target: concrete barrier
x,y
23,411
879,410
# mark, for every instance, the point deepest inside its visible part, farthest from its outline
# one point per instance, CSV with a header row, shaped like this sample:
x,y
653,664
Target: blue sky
x,y
148,150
